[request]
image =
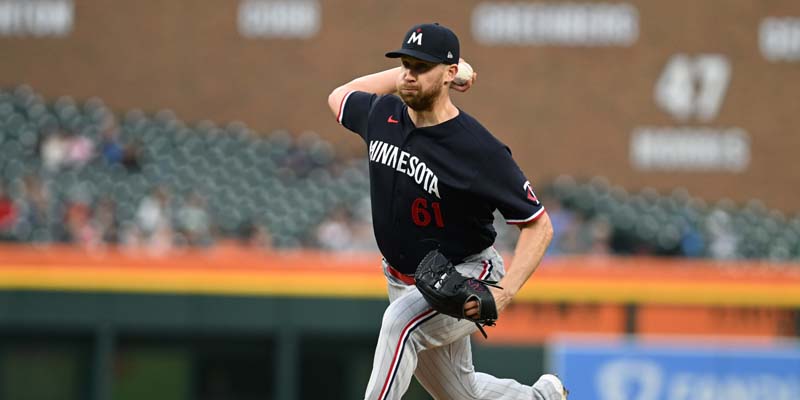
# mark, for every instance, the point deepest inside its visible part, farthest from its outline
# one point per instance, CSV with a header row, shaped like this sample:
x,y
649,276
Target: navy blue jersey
x,y
436,186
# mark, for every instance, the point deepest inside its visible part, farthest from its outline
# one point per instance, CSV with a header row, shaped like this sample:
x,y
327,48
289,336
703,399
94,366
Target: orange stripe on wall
x,y
525,323
233,270
201,281
735,321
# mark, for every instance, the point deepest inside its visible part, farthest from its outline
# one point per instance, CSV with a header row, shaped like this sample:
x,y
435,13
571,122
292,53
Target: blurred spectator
x,y
194,222
363,236
79,149
573,238
600,232
131,157
154,221
507,235
131,237
8,215
65,149
298,158
36,207
80,229
54,150
104,220
334,233
722,239
361,228
692,244
256,236
110,146
564,229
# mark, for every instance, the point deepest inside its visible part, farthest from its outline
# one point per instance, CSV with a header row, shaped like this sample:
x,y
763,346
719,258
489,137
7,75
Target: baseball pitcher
x,y
436,178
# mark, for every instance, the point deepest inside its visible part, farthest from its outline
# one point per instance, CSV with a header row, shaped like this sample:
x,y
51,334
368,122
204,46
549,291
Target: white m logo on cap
x,y
415,37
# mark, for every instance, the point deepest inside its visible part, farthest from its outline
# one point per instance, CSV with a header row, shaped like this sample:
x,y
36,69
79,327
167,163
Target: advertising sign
x,y
677,370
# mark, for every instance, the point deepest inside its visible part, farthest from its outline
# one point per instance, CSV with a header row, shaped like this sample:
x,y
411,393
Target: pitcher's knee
x,y
392,320
399,323
470,384
463,386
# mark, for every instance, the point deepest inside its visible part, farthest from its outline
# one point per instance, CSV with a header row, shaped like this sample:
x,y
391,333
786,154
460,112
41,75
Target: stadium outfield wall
x,y
598,293
97,325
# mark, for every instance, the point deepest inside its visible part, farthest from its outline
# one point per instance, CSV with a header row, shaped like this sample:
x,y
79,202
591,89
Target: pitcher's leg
x,y
447,373
396,352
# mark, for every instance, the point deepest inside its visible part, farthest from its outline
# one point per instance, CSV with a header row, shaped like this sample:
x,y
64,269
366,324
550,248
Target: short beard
x,y
422,101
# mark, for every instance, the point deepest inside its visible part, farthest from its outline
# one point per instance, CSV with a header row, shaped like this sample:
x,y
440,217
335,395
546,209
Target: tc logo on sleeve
x,y
529,191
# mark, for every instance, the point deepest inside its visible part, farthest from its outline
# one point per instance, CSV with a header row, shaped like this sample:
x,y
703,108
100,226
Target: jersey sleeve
x,y
504,185
354,111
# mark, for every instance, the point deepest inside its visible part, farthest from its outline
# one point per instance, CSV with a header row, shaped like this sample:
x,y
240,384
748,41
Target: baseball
x,y
464,73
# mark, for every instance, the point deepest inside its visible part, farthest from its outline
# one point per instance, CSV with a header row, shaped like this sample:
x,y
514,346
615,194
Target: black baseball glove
x,y
446,290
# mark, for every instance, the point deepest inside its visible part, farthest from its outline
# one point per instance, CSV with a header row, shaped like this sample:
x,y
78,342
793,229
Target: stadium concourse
x,y
77,172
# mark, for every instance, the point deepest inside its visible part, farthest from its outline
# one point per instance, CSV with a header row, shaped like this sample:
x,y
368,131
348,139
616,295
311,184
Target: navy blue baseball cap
x,y
429,42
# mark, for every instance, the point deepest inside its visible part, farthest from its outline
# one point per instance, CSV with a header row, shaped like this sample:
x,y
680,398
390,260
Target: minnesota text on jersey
x,y
402,161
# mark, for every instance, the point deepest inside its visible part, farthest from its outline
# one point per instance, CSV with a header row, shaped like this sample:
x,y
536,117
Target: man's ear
x,y
450,72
